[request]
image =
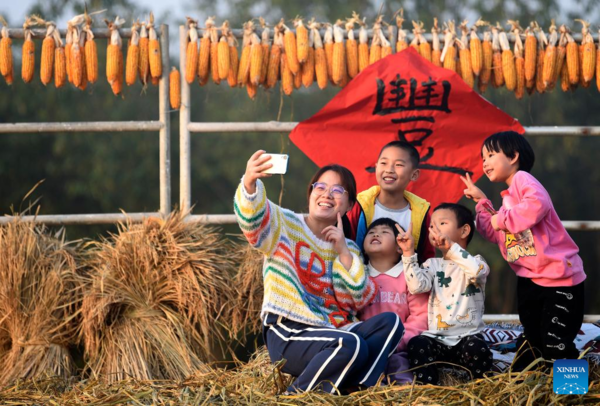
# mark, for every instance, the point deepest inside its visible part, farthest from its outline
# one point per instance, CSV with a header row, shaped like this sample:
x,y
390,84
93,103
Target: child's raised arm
x,y
418,280
474,267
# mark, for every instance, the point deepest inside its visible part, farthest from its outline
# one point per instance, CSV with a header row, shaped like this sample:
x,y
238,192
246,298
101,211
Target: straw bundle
x,y
39,297
155,299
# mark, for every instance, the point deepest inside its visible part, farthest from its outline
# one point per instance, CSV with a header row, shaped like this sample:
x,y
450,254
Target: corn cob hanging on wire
x,y
424,46
519,62
588,47
204,61
375,50
449,51
287,76
464,55
154,55
339,54
77,55
91,51
214,55
301,40
275,57
256,59
530,52
175,88
582,81
561,53
144,61
542,41
549,70
351,47
60,62
320,57
363,45
28,54
508,61
244,66
476,48
68,48
191,52
497,74
6,58
401,43
47,57
307,69
572,58
133,56
436,51
486,67
233,60
386,46
114,56
223,54
328,46
291,50
265,43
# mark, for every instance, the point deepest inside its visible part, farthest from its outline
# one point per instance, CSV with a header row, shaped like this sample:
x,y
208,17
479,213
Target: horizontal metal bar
x,y
83,219
230,219
514,318
279,126
91,126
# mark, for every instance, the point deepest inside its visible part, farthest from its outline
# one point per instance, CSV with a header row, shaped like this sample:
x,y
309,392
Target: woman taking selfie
x,y
314,283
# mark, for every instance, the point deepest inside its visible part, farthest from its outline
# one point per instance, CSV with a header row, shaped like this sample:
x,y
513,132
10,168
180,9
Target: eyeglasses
x,y
320,188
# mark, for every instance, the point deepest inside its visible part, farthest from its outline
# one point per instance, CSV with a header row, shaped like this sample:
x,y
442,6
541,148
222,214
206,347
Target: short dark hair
x,y
511,142
463,216
383,221
406,146
346,177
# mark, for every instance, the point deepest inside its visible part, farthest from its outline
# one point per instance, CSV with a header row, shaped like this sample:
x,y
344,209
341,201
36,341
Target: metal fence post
x,y
185,167
165,119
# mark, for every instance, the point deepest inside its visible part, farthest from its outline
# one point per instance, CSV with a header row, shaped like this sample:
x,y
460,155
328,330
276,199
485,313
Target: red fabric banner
x,y
405,97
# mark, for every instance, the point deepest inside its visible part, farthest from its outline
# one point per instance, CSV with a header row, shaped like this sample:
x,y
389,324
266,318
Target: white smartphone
x,y
279,162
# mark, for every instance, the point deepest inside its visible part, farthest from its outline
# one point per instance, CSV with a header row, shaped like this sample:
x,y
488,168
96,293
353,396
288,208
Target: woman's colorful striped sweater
x,y
304,279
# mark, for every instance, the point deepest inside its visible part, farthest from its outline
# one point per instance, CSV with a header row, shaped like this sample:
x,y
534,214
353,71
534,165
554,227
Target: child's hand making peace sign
x,y
405,241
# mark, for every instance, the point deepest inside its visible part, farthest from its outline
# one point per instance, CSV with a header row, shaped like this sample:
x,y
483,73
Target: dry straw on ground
x,y
39,296
156,300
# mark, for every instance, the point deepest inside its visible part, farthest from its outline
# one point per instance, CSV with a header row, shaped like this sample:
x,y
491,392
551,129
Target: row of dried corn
x,y
76,61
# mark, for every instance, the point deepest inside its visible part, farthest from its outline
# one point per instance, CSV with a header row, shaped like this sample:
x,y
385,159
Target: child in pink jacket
x,y
385,268
533,240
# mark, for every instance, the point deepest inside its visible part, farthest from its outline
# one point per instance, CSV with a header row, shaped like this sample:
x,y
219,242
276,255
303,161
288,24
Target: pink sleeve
x,y
416,321
483,221
534,205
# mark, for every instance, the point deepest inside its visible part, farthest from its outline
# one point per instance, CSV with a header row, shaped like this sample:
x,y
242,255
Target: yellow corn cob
x,y
561,53
68,46
191,53
60,67
256,60
415,43
114,56
84,80
47,58
345,80
498,75
112,62
287,77
565,82
6,58
154,50
476,49
251,89
486,66
351,48
244,67
90,53
539,74
424,46
375,51
582,82
291,52
28,56
401,43
117,84
204,53
76,59
133,57
530,52
449,52
266,52
363,47
466,71
223,53
550,58
144,59
301,40
339,55
214,59
328,46
275,58
298,80
233,61
320,57
175,88
308,68
519,64
588,57
508,63
436,52
572,59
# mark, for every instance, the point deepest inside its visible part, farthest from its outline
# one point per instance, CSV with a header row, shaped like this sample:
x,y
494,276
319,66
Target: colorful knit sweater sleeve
x,y
304,279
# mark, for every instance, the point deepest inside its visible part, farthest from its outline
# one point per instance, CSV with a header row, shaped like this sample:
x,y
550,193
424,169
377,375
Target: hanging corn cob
x,y
549,70
436,52
291,50
363,46
91,52
6,58
449,51
386,46
154,50
339,54
244,66
275,57
328,45
301,40
508,61
519,62
476,48
542,41
133,56
582,81
266,51
175,88
60,62
375,51
565,83
401,43
572,58
320,57
497,74
256,59
424,46
77,55
233,60
486,66
68,48
223,54
307,69
588,59
144,61
287,77
214,55
561,53
204,52
464,56
298,79
191,53
351,47
47,58
114,56
28,55
530,52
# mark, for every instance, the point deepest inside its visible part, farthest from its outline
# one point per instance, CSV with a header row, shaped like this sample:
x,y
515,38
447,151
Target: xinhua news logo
x,y
571,377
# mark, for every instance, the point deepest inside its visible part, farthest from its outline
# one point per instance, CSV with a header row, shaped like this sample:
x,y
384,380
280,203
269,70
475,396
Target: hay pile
x,y
39,299
258,382
156,299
